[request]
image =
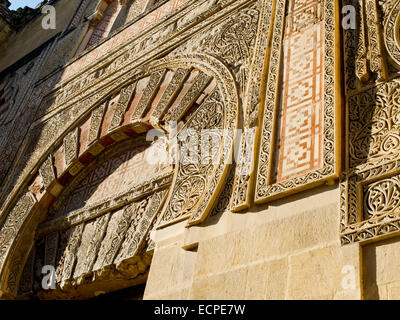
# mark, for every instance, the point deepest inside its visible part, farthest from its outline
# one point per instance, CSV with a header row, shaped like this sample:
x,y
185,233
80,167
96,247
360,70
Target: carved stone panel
x,y
122,90
112,177
298,138
369,187
369,205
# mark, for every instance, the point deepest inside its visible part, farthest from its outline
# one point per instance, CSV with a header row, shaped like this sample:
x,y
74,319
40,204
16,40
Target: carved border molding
x,y
391,32
244,183
264,190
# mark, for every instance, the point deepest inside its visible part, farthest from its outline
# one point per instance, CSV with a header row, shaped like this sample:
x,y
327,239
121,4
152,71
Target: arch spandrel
x,y
182,88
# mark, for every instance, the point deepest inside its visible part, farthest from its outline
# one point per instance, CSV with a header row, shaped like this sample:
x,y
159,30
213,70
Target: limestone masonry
x,y
200,149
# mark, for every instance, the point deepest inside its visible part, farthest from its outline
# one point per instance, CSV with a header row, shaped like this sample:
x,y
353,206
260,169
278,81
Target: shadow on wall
x,y
381,263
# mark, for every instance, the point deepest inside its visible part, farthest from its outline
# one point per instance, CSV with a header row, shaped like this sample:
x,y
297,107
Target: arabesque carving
x,y
369,187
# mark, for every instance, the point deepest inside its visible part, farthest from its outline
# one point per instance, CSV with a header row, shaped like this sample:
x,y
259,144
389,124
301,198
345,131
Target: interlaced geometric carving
x,y
303,154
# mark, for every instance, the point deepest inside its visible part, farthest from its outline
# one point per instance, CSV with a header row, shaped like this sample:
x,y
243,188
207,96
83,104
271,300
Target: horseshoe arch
x,y
197,91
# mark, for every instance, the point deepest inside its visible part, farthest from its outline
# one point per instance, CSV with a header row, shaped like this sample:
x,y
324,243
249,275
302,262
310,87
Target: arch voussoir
x,y
182,89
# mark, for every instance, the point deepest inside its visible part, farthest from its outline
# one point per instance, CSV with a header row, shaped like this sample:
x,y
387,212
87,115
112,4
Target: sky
x,y
15,4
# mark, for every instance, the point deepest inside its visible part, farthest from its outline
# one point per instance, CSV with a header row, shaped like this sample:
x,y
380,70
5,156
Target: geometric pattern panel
x,y
298,131
298,147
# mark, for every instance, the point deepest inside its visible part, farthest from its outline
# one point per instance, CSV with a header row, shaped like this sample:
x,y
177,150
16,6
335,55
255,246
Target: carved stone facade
x,y
368,186
281,129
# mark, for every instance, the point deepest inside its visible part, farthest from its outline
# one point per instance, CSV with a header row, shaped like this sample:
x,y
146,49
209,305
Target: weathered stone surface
x,y
81,190
267,280
380,262
227,285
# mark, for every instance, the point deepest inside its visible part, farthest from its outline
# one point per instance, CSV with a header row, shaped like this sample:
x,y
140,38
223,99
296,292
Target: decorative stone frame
x,y
353,226
328,173
369,208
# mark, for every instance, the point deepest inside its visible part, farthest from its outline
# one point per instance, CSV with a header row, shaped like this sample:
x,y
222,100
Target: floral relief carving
x,y
374,125
381,197
390,30
82,246
194,177
369,187
235,38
